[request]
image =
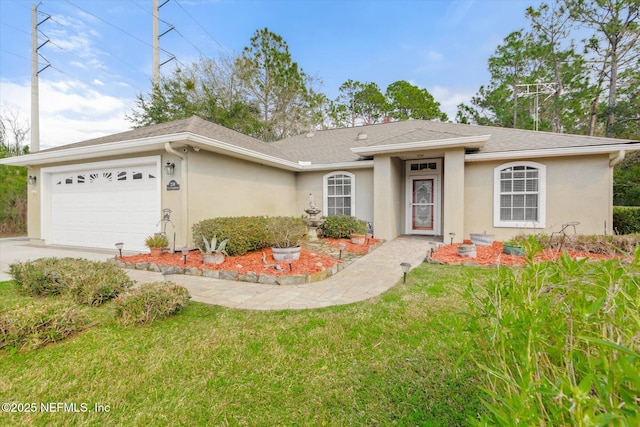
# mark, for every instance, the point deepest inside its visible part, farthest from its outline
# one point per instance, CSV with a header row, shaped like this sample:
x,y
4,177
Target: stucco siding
x,y
224,186
577,189
313,182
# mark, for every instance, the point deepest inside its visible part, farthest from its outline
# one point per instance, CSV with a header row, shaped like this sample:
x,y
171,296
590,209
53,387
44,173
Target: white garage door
x,y
97,207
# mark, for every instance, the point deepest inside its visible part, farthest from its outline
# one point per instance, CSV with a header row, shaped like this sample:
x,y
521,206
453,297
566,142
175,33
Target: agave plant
x,y
210,248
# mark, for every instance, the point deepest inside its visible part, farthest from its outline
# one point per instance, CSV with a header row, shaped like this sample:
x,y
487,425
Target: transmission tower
x,y
156,41
35,71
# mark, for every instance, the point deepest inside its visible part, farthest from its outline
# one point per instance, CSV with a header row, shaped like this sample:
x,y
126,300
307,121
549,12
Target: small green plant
x,y
343,226
626,219
156,241
40,323
286,231
211,248
150,302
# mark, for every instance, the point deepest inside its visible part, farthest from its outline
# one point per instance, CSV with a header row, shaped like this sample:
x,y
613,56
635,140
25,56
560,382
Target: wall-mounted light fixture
x,y
32,180
169,167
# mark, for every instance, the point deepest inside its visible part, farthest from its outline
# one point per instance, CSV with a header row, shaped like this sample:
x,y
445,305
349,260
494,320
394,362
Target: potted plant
x,y
213,253
285,234
513,247
156,243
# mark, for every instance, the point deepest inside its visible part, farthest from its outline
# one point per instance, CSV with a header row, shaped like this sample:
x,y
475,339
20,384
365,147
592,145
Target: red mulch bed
x,y
309,262
492,255
350,247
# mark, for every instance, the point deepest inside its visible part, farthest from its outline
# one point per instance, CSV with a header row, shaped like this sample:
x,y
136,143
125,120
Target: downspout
x,y
184,208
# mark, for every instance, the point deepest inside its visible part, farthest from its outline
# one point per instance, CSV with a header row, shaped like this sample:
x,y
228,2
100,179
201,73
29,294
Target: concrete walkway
x,y
367,277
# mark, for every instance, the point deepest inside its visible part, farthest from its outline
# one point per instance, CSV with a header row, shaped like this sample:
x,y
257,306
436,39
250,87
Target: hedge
x,y
626,219
343,226
245,233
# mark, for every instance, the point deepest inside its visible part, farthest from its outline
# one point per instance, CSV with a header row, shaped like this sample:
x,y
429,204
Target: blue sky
x,y
100,51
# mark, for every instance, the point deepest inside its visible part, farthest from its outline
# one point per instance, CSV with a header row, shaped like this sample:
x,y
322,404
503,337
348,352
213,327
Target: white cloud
x,y
450,99
69,111
98,82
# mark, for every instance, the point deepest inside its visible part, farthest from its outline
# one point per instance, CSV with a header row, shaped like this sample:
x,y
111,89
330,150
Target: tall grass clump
x,y
559,343
87,282
150,302
40,323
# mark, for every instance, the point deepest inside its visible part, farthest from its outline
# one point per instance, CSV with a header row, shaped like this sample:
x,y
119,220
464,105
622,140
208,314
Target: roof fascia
x,y
551,152
359,164
465,141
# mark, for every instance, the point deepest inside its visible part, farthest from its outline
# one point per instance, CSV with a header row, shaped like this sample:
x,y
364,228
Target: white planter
x,y
482,239
284,254
213,258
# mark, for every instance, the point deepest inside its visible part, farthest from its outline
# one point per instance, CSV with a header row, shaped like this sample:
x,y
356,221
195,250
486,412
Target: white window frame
x,y
325,191
542,196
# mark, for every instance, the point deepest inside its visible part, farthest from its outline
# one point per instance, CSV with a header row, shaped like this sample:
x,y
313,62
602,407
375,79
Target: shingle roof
x,y
334,146
329,146
194,125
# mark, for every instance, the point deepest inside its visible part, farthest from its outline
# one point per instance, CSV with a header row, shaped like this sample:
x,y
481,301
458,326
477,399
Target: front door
x,y
422,204
423,196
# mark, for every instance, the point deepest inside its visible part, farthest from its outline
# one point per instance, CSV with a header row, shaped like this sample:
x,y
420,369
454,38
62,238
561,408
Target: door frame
x,y
424,169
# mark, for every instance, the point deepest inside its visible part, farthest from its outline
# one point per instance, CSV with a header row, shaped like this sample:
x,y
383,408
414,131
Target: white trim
x,y
550,152
325,191
465,141
358,164
542,197
437,205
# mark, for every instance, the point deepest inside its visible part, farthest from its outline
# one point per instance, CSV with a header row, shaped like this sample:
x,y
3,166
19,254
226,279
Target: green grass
x,y
400,359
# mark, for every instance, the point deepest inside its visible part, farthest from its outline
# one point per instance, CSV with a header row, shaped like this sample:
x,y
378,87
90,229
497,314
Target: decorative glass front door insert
x,y
422,204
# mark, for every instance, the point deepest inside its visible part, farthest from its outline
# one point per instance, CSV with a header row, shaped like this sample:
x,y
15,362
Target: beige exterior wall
x,y
453,194
577,189
388,197
34,206
220,186
313,182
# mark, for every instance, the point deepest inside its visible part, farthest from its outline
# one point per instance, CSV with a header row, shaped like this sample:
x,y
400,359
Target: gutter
x,y
184,208
619,157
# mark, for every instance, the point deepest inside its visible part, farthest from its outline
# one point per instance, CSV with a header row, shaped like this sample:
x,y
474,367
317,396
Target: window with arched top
x,y
339,194
519,195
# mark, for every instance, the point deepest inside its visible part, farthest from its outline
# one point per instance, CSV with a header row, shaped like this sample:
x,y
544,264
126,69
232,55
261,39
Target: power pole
x,y
156,41
35,70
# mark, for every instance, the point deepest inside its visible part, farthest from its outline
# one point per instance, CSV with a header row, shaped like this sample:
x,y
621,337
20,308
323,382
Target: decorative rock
x,y
228,275
267,279
295,279
142,265
154,267
250,277
320,275
214,274
193,271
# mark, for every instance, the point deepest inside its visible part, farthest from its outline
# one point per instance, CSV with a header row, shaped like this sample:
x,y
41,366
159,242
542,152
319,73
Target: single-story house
x,y
408,177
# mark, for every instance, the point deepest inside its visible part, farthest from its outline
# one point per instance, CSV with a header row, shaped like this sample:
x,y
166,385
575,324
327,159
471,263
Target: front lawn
x,y
401,359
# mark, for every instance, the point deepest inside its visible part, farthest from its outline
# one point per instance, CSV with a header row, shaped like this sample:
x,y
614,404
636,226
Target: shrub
x,y
88,282
39,324
595,244
245,234
151,301
285,231
343,226
559,343
626,220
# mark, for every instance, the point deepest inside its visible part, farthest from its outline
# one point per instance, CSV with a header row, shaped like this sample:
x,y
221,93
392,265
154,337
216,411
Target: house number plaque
x,y
173,185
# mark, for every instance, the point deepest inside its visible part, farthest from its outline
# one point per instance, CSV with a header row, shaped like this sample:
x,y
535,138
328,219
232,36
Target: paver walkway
x,y
365,278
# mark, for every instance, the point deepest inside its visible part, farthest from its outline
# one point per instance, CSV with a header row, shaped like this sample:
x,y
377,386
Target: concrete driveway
x,y
19,250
